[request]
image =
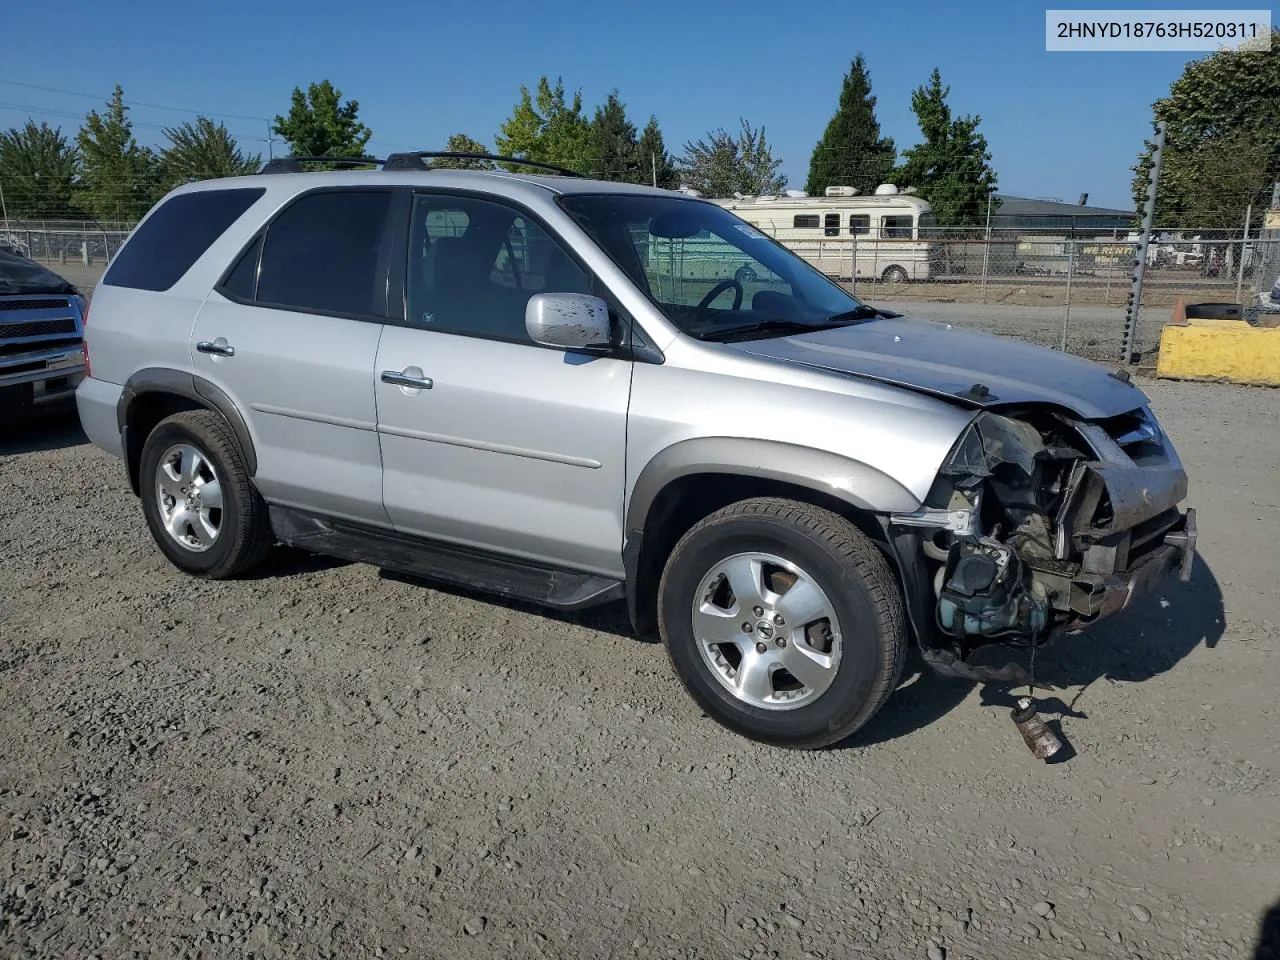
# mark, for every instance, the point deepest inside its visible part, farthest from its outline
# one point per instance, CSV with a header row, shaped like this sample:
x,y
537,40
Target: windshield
x,y
712,274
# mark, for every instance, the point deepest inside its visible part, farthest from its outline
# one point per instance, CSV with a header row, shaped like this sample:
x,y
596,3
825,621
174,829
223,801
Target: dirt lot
x,y
326,761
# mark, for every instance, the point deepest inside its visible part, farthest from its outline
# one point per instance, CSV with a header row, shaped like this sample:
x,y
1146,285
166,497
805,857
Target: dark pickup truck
x,y
41,338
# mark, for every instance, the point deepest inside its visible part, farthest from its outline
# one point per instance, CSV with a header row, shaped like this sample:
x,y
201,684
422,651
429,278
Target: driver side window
x,y
474,264
683,271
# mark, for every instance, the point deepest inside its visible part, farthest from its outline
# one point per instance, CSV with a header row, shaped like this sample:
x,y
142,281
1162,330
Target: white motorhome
x,y
880,233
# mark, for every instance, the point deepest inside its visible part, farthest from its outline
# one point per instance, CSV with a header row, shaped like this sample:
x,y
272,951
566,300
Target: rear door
x,y
489,439
291,335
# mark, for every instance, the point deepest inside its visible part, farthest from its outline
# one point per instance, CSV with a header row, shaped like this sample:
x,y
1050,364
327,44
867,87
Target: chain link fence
x,y
1067,290
65,241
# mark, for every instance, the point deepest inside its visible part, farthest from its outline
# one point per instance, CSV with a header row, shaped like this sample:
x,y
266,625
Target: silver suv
x,y
562,390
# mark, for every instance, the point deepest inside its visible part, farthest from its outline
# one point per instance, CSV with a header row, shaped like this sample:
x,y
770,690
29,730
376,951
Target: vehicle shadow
x,y
1268,945
282,562
607,618
41,432
1144,641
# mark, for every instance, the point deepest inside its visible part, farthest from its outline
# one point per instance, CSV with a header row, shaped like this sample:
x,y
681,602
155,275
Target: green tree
x,y
720,164
951,167
1222,151
656,167
319,124
119,180
37,171
548,126
613,143
851,152
461,143
204,150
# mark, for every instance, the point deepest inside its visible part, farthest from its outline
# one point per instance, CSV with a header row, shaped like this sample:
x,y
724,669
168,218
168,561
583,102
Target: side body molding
x,y
852,481
184,384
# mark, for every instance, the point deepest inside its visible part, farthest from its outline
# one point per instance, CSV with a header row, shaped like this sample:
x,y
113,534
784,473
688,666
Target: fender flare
x,y
180,383
856,483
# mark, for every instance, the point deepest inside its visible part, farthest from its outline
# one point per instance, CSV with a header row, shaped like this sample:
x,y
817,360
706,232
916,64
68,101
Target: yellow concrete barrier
x,y
1227,350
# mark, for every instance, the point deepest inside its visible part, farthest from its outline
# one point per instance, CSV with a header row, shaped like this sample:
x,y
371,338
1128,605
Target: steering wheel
x,y
705,304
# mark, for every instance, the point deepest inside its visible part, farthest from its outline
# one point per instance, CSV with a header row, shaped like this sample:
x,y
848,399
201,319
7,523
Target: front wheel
x,y
894,275
783,621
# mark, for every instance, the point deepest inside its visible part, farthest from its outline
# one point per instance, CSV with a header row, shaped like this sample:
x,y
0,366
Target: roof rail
x,y
416,160
294,164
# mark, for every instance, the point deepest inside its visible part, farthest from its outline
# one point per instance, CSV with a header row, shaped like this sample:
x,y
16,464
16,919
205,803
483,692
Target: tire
x,y
192,450
894,275
868,636
745,275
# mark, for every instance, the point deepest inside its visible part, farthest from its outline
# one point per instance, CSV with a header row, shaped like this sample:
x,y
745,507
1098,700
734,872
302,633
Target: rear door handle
x,y
398,379
219,347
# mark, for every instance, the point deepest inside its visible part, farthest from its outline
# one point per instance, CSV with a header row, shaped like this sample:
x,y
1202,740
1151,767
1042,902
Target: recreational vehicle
x,y
880,233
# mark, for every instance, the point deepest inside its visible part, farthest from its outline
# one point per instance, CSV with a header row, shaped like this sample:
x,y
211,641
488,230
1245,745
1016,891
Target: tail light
x,y
84,335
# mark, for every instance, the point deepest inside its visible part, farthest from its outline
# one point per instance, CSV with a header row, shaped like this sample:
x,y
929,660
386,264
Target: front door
x,y
291,337
487,438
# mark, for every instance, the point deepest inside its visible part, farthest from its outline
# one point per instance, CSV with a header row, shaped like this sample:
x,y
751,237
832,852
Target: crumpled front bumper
x,y
1100,594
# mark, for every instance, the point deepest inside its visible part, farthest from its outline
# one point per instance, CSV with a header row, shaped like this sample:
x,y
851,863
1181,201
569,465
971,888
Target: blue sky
x,y
1058,123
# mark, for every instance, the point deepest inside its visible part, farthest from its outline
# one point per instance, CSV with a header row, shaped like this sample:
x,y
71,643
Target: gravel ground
x,y
328,761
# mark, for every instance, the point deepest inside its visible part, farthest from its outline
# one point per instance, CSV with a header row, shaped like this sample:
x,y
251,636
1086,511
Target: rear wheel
x,y
783,621
894,274
199,503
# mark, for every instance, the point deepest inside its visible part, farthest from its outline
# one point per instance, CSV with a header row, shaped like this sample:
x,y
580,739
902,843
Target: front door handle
x,y
219,347
398,379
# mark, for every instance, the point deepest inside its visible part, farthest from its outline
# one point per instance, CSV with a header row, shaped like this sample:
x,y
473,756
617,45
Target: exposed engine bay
x,y
1039,522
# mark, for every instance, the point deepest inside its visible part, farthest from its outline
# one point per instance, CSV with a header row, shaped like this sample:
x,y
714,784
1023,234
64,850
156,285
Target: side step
x,y
450,563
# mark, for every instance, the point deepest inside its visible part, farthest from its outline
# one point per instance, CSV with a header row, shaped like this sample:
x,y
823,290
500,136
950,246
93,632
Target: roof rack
x,y
416,160
294,164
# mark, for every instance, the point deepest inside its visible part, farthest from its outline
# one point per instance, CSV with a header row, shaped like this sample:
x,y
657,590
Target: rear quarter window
x,y
176,235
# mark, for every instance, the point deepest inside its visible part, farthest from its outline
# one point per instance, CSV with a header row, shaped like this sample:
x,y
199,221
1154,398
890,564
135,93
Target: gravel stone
x,y
171,779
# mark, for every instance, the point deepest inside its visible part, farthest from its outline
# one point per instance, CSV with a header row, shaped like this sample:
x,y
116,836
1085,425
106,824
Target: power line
x,y
136,103
67,114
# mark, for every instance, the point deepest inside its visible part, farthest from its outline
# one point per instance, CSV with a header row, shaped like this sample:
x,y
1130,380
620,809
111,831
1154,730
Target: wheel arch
x,y
154,393
693,478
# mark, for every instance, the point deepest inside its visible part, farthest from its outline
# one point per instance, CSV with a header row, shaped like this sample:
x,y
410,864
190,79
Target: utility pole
x,y
4,210
270,140
1244,242
653,160
986,247
1144,240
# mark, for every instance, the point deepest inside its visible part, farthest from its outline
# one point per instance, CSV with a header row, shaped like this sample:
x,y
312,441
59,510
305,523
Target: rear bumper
x,y
96,403
1096,595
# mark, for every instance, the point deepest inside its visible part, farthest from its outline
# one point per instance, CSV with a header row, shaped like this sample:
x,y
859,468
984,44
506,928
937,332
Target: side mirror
x,y
574,321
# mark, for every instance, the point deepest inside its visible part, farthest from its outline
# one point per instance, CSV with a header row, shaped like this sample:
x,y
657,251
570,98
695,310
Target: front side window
x,y
896,227
474,264
706,269
176,235
326,253
859,224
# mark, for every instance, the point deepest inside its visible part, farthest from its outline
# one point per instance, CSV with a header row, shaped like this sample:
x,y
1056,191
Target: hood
x,y
945,361
20,275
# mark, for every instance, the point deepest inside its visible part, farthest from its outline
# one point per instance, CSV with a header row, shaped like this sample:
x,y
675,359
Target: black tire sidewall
x,y
857,676
164,436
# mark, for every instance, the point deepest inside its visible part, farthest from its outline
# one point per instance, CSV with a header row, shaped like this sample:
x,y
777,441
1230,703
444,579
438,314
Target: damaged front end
x,y
1037,523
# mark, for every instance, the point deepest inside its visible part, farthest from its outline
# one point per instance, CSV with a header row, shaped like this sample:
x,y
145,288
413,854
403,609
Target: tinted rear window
x,y
324,254
175,236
